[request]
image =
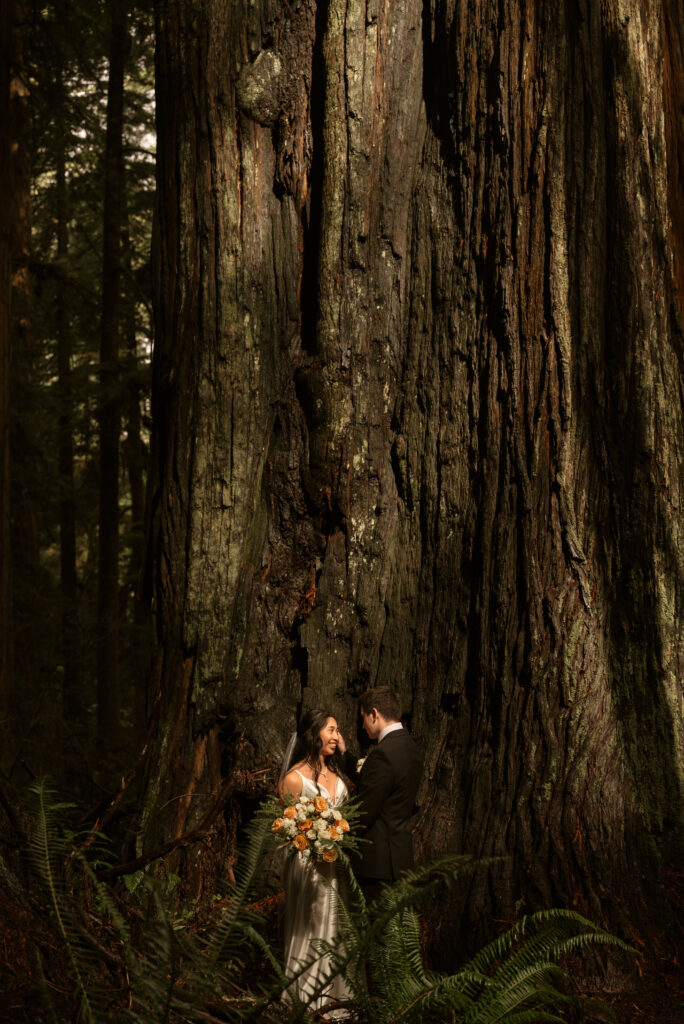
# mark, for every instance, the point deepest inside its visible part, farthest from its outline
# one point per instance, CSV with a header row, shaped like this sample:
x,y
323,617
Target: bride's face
x,y
330,736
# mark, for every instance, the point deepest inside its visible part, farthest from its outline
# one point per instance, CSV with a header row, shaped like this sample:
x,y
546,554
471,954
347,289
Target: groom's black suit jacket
x,y
388,784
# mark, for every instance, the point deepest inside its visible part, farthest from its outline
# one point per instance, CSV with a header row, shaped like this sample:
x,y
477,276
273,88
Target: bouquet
x,y
312,827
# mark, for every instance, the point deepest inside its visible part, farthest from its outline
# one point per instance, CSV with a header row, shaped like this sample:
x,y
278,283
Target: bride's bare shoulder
x,y
292,783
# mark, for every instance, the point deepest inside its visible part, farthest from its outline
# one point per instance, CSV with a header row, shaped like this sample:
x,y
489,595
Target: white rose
x,y
307,852
336,815
360,763
311,834
324,834
302,816
318,824
328,815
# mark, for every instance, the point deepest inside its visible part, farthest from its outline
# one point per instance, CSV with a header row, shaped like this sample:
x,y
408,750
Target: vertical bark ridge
x,y
644,457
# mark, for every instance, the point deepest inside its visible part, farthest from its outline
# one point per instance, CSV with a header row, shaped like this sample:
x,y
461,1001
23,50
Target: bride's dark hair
x,y
308,744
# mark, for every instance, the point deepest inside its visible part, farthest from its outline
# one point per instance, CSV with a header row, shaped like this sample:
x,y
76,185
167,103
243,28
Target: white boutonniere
x,y
359,764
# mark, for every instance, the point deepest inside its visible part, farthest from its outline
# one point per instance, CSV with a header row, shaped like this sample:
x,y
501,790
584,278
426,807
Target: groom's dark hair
x,y
384,699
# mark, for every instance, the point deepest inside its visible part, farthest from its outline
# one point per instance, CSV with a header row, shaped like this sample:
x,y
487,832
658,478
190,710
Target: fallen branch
x,y
189,839
162,851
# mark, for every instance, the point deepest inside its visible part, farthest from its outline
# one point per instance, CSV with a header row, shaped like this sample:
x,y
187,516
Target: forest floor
x,y
657,994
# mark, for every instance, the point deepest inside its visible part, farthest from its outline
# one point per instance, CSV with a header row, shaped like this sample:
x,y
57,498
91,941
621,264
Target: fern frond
x,y
42,841
106,903
45,995
552,924
513,979
529,986
598,1010
578,943
247,872
539,1016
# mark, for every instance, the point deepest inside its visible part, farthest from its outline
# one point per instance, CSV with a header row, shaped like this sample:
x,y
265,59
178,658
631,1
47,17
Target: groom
x,y
388,783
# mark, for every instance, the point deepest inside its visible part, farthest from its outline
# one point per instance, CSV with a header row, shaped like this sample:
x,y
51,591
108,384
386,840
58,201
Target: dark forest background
x,y
79,193
342,344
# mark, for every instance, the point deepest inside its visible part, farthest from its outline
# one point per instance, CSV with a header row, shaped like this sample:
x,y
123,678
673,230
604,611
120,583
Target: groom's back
x,y
388,788
407,766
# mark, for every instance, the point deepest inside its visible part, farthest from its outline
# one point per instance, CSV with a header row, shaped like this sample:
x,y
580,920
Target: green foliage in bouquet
x,y
313,827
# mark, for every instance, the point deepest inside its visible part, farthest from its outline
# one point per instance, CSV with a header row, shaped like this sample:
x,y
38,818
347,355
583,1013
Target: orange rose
x,y
301,842
320,804
329,855
277,825
290,812
304,826
342,824
334,834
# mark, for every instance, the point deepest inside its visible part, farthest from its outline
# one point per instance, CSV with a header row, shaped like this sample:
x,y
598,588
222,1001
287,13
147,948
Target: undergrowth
x,y
133,957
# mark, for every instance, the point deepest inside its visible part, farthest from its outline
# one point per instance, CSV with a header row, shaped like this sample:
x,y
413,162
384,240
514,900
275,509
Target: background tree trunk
x,y
6,617
72,701
418,419
108,695
136,458
25,496
134,447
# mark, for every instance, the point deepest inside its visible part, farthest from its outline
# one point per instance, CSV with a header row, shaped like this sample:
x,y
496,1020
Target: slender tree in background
x,y
135,455
134,448
108,688
27,487
6,618
418,417
72,703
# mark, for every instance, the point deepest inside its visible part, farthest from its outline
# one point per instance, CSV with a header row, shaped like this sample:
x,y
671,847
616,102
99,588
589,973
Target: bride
x,y
311,886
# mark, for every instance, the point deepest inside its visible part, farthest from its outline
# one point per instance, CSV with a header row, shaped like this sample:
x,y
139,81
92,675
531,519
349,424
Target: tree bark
x,y
418,418
108,695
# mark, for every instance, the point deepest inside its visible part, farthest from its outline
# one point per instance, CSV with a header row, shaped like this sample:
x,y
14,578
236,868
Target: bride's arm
x,y
347,761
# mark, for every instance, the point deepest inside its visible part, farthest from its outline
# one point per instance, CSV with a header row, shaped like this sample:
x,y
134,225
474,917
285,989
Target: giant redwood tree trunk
x,y
418,416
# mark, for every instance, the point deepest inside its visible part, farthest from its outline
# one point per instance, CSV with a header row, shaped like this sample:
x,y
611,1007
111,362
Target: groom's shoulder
x,y
400,739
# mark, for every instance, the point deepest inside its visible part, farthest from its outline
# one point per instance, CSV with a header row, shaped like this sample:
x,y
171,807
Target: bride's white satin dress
x,y
311,912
